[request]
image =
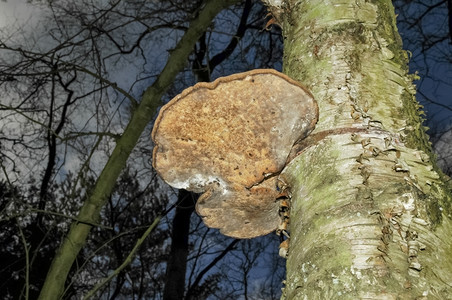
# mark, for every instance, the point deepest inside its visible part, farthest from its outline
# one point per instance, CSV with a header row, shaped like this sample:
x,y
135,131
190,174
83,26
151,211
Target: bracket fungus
x,y
228,139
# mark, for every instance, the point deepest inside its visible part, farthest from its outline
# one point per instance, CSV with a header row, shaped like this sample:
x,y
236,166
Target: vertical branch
x,y
53,134
27,261
52,150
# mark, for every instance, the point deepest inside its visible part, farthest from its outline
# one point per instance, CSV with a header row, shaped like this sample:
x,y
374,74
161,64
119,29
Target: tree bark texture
x,y
177,261
370,215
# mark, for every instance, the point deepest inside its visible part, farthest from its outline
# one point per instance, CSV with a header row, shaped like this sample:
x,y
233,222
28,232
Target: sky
x,y
429,57
15,12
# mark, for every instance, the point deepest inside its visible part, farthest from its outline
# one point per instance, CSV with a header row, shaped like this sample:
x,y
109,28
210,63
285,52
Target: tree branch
x,y
126,262
90,211
208,267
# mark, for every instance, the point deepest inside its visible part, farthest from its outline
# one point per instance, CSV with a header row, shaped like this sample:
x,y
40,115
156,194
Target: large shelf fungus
x,y
228,139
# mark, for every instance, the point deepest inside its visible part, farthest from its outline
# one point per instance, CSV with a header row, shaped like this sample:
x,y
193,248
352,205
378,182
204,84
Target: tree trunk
x,y
370,216
177,262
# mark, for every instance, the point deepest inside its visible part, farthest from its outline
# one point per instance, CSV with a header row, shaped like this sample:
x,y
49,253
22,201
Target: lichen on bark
x,y
369,211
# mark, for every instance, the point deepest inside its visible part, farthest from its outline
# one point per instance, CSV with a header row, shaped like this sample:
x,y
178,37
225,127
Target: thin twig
x,y
27,262
126,262
35,210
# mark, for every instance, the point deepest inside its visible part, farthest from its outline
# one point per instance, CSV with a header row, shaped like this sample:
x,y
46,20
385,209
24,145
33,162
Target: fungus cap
x,y
226,139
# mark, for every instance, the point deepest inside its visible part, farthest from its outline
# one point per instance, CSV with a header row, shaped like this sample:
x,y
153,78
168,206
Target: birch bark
x,y
370,215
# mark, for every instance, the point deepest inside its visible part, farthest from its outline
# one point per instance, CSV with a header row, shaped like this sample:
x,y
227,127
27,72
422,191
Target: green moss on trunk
x,y
369,211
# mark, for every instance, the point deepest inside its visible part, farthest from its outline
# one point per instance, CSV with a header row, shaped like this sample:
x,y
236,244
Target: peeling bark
x,y
370,215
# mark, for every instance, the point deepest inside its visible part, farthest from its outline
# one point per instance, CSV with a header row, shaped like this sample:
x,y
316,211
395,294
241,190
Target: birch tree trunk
x,y
370,216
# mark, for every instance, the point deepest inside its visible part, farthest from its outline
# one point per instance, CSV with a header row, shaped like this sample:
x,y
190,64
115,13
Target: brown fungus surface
x,y
226,139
